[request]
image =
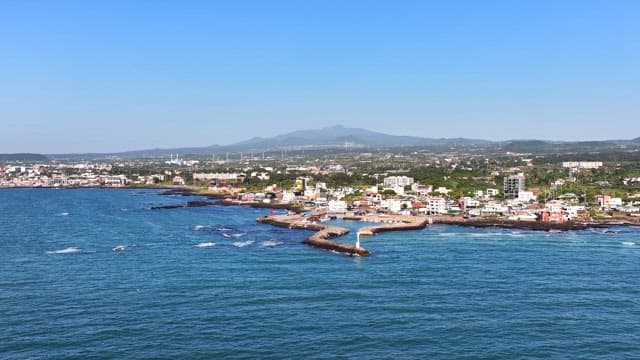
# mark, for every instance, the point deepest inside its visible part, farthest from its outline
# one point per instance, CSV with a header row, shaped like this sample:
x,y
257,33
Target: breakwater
x,y
324,233
395,223
322,238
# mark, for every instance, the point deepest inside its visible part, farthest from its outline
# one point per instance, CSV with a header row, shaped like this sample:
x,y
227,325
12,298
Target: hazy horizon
x,y
81,77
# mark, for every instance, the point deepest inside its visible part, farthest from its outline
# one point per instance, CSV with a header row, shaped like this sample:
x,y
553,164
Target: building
x,y
436,206
492,192
579,165
526,196
337,206
513,184
608,202
396,181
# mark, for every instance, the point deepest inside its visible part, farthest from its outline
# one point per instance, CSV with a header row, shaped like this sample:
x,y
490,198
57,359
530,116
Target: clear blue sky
x,y
121,75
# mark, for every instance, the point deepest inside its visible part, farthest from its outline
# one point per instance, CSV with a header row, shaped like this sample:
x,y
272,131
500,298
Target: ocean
x,y
212,283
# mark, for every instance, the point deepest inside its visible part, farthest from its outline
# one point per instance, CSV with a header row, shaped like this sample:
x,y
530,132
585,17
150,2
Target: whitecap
x,y
241,244
64,214
233,235
205,244
628,243
124,209
119,248
271,243
198,227
69,250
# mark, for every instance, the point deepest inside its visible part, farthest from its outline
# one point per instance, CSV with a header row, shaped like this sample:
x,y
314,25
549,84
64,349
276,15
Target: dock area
x,y
393,223
324,233
322,238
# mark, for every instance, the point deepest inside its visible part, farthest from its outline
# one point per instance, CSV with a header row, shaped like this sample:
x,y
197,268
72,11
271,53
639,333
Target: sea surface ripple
x,y
442,292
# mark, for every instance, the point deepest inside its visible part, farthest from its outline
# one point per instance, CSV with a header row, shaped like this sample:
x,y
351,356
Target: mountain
x,y
340,136
26,157
336,136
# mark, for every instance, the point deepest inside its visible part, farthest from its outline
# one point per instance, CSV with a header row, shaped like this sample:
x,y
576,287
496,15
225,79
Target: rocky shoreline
x,y
531,225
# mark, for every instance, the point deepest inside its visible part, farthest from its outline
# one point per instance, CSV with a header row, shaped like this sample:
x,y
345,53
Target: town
x,y
459,183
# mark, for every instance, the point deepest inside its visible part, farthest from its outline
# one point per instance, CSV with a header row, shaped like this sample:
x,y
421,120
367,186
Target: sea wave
x,y
205,244
68,250
241,244
271,243
236,235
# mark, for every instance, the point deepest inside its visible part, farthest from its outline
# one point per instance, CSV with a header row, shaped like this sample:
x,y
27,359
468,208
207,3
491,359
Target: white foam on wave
x,y
242,244
63,214
237,235
198,227
205,244
69,250
271,243
223,229
119,248
628,243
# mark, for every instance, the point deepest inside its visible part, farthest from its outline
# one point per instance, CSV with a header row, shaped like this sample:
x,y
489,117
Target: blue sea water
x,y
212,283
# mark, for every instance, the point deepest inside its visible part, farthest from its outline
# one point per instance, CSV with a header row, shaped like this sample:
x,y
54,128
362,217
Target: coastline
x,y
324,235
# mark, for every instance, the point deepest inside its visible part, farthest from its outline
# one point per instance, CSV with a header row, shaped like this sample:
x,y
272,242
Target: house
x,y
608,202
422,190
436,205
178,180
337,206
397,181
492,192
526,196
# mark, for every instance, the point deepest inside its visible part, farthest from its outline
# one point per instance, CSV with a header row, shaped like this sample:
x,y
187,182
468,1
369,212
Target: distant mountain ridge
x,y
340,136
27,157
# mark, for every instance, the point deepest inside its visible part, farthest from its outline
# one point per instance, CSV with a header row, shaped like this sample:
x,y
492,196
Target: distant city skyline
x,y
117,76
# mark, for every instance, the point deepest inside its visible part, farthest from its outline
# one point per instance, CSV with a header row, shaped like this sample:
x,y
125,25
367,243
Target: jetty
x,y
393,223
324,233
322,238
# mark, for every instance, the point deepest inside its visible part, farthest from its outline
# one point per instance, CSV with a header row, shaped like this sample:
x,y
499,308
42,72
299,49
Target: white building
x,y
492,192
422,190
396,181
608,202
394,205
526,196
436,206
337,206
178,180
579,165
470,202
216,176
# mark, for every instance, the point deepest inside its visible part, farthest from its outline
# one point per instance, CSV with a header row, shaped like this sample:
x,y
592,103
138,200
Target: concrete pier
x,y
393,223
321,239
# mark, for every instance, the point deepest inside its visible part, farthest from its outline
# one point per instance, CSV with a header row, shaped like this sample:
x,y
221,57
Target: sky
x,y
107,76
